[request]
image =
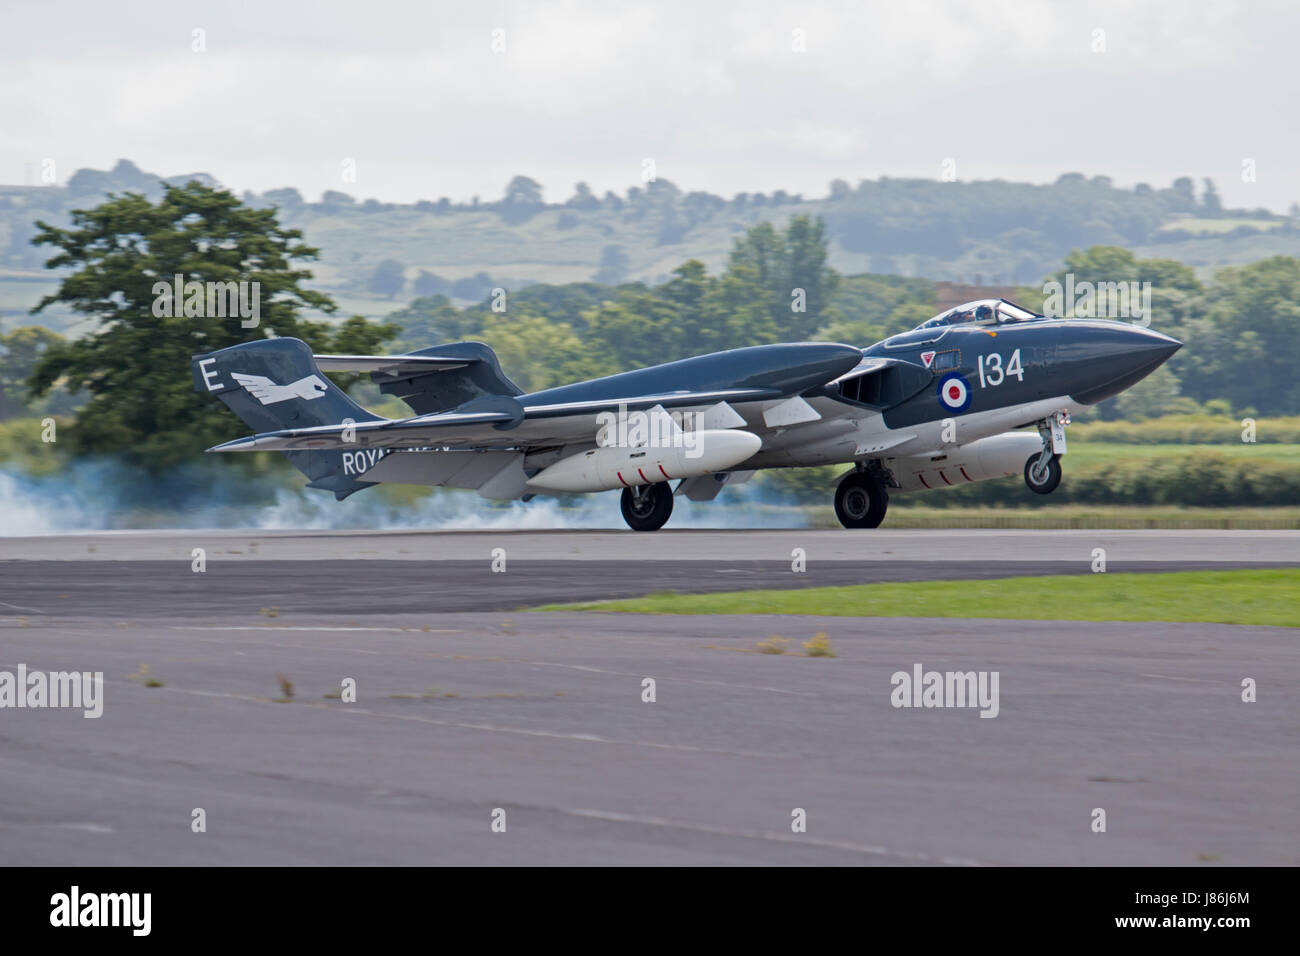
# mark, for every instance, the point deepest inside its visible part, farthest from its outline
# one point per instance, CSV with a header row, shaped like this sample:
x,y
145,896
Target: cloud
x,y
717,94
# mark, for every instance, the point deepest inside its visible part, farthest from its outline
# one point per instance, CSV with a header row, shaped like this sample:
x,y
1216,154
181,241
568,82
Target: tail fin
x,y
274,384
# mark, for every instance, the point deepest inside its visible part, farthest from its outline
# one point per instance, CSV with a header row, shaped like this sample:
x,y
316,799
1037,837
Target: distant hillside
x,y
990,232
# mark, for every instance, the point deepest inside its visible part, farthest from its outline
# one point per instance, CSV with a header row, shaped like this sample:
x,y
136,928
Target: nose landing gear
x,y
1043,471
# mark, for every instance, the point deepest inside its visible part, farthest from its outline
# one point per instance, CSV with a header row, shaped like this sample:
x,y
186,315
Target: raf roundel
x,y
954,392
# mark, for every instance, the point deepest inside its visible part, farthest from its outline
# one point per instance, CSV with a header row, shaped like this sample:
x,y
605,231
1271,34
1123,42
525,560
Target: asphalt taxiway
x,y
464,714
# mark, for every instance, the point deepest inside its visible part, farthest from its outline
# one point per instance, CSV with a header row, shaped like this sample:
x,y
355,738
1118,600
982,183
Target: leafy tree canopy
x,y
20,350
136,367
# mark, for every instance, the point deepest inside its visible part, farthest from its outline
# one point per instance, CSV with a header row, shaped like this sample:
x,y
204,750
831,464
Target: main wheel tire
x,y
1043,481
651,510
861,501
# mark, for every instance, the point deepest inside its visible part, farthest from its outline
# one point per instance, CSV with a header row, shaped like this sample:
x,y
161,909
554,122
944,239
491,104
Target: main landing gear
x,y
647,507
861,500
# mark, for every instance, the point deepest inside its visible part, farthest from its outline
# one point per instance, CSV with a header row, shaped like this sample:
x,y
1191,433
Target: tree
x,y
736,313
762,249
124,175
1211,205
663,192
88,182
473,287
538,354
332,198
613,266
20,350
388,279
868,308
429,283
787,270
907,316
582,198
433,320
359,336
1184,194
1246,349
807,269
522,201
522,191
688,292
1155,395
286,199
136,368
1174,286
671,228
637,330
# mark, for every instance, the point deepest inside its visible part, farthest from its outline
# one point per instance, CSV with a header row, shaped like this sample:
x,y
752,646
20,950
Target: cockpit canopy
x,y
981,312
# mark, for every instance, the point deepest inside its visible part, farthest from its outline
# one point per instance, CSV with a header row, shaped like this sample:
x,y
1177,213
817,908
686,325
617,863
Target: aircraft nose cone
x,y
1108,361
1151,342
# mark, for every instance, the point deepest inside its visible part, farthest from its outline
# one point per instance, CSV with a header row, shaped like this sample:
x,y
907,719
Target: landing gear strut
x,y
1043,471
647,507
861,500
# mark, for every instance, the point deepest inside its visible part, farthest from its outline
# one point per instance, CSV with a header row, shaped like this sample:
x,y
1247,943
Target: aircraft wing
x,y
435,379
388,364
497,421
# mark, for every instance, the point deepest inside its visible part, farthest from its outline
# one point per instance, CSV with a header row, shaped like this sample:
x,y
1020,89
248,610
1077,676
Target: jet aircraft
x,y
981,391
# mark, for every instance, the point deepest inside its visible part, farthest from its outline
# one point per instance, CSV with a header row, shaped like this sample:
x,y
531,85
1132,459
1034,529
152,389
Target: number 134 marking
x,y
992,373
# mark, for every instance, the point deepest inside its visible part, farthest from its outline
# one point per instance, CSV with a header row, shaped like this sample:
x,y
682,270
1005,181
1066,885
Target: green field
x,y
1214,227
1104,453
1270,596
916,511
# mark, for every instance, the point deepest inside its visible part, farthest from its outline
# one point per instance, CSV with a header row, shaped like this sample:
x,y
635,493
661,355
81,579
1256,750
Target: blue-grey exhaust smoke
x,y
103,495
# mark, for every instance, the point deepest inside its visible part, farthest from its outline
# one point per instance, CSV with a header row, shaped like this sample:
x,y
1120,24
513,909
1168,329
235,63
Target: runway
x,y
147,589
466,707
879,545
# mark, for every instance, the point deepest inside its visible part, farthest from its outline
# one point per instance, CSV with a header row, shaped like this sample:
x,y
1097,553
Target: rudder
x,y
274,384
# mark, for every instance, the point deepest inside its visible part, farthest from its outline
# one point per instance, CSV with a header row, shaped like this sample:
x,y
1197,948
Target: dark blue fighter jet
x,y
982,391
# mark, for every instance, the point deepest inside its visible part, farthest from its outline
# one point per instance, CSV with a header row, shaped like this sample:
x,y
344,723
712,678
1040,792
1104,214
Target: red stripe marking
x,y
620,478
963,471
944,477
643,477
923,481
664,473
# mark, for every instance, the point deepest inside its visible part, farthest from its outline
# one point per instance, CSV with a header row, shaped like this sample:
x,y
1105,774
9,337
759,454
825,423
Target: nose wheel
x,y
861,500
1043,473
647,507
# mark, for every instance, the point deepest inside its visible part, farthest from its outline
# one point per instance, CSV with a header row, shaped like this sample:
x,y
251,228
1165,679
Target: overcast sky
x,y
715,93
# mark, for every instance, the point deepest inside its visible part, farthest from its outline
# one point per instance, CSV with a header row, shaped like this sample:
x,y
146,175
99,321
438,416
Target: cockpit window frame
x,y
1000,307
1010,308
939,332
